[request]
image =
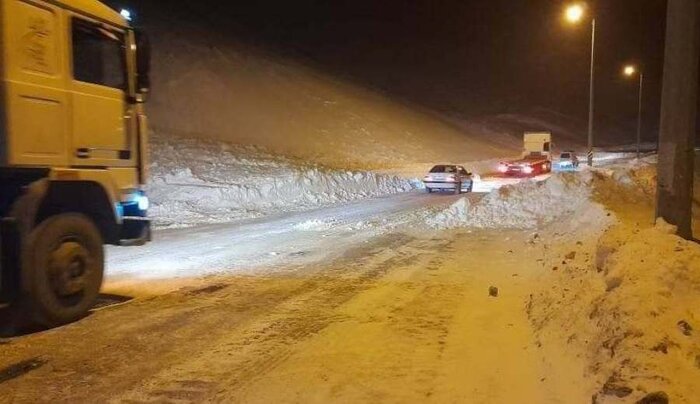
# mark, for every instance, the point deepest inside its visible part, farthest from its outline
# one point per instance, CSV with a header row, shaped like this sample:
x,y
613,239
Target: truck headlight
x,y
143,202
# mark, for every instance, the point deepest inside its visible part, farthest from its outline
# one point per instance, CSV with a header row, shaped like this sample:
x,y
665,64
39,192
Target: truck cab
x,y
74,77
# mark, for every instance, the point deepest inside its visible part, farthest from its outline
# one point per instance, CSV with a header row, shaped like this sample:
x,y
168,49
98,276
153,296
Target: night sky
x,y
460,57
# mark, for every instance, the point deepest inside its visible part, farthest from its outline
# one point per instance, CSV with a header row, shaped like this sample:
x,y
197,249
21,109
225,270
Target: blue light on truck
x,y
120,210
137,206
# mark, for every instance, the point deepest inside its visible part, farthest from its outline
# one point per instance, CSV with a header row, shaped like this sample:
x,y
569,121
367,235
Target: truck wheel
x,y
62,269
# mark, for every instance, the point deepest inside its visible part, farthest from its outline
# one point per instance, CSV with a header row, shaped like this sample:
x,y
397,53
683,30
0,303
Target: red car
x,y
533,164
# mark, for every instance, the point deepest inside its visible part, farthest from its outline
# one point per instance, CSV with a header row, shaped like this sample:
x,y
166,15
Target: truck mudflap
x,y
135,231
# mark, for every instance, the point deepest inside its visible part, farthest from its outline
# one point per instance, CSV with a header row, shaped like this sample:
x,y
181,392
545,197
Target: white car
x,y
568,161
449,178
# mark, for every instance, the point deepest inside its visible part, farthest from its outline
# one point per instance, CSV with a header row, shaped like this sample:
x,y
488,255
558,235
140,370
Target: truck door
x,y
100,116
34,103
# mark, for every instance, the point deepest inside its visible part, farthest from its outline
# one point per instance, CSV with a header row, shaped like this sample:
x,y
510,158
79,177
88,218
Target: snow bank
x,y
629,307
196,181
648,317
635,175
525,205
634,317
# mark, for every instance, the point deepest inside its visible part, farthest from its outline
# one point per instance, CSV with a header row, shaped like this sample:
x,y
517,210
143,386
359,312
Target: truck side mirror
x,y
143,62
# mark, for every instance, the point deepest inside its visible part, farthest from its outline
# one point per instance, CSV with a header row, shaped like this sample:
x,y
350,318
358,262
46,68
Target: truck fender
x,y
44,198
13,230
25,209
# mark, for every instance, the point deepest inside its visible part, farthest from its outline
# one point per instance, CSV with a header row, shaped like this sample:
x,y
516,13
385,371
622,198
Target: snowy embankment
x,y
629,308
528,204
195,181
631,315
647,317
248,95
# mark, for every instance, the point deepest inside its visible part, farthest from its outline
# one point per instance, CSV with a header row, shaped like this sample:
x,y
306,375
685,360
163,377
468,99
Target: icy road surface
x,y
302,308
273,242
392,318
277,241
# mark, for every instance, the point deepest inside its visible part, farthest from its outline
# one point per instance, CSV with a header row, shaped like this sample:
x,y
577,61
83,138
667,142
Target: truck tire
x,y
62,270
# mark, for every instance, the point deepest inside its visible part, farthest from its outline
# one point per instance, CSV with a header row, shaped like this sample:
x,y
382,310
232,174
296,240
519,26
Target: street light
x,y
630,71
574,14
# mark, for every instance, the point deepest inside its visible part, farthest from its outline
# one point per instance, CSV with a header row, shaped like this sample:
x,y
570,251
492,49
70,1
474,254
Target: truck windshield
x,y
98,55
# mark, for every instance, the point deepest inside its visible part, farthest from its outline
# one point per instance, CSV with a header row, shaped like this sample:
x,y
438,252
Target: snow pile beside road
x,y
648,317
628,306
636,175
196,181
525,205
635,320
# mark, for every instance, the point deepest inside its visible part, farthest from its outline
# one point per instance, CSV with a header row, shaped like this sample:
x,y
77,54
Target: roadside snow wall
x,y
194,181
630,307
635,321
525,205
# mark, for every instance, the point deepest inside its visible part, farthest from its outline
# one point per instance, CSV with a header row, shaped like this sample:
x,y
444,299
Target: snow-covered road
x,y
399,318
365,303
278,242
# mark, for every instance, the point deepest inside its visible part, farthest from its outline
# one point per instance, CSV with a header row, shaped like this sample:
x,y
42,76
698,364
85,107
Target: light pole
x,y
630,71
575,14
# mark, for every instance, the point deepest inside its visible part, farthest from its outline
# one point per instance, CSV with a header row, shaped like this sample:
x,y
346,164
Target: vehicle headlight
x,y
528,170
143,202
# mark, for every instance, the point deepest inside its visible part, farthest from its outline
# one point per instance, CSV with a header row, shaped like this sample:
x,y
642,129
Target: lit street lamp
x,y
575,14
630,71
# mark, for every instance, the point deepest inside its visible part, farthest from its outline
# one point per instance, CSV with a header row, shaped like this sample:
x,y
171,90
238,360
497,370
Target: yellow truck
x,y
74,77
